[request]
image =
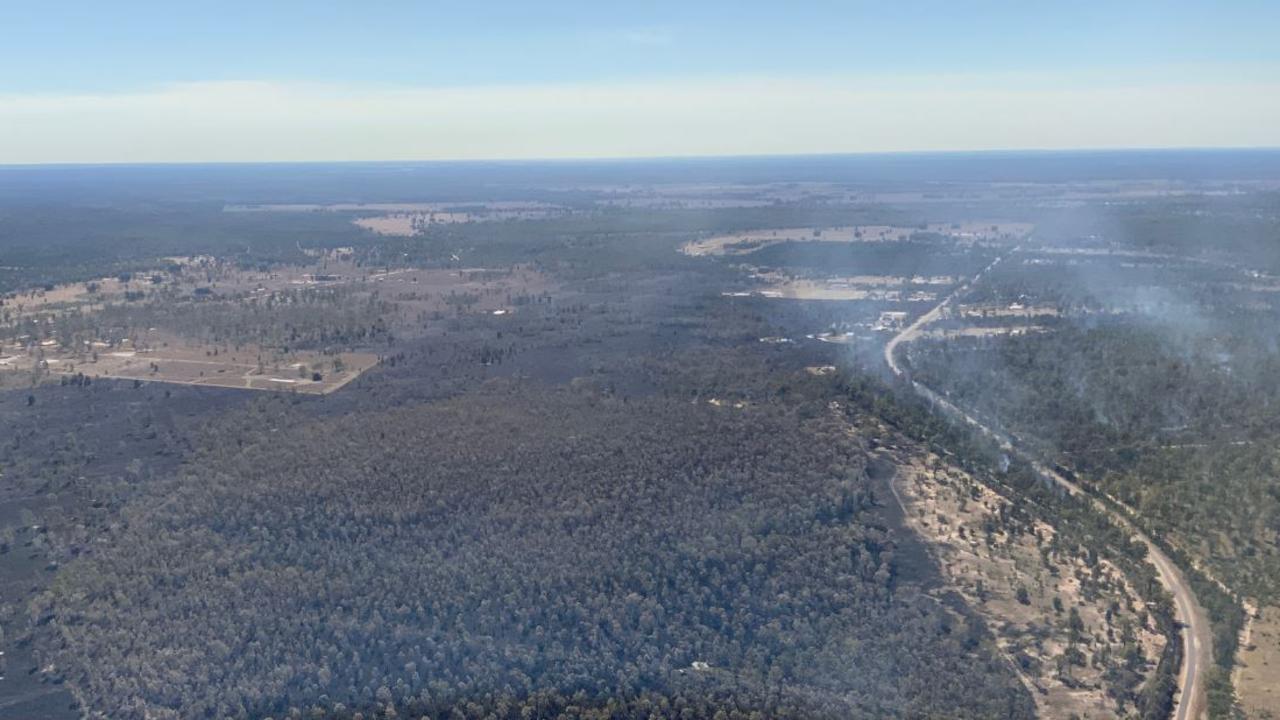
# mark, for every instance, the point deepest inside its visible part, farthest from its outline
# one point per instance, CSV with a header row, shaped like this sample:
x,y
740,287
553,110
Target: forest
x,y
519,550
1167,416
589,475
1172,434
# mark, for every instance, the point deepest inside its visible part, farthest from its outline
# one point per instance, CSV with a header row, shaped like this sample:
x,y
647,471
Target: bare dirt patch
x,y
706,196
406,219
743,243
1013,310
169,359
62,296
478,206
982,331
309,328
1060,621
414,223
888,288
406,224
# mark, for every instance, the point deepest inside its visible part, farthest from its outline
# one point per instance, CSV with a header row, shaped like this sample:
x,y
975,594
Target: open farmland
x,y
407,219
891,288
252,368
744,243
201,321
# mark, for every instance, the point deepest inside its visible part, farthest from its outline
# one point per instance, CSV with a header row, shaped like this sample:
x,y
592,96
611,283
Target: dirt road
x,y
1196,636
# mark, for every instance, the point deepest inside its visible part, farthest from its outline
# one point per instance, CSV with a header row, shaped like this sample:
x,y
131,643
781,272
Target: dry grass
x,y
405,219
954,513
743,243
987,331
424,207
415,300
888,288
1015,310
412,223
1257,676
421,289
169,359
404,224
71,294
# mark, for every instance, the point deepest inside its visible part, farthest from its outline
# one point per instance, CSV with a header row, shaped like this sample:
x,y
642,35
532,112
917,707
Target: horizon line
x,y
1042,151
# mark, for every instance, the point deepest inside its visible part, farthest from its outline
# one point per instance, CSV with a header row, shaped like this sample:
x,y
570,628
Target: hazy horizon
x,y
404,82
1009,152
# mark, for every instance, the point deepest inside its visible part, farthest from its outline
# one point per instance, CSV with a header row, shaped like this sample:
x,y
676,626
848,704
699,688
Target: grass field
x,y
307,328
744,243
249,368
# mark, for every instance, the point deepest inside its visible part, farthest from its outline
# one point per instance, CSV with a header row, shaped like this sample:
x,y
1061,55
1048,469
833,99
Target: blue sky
x,y
126,45
57,58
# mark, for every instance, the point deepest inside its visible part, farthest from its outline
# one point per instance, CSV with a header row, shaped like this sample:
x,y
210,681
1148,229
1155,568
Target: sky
x,y
178,81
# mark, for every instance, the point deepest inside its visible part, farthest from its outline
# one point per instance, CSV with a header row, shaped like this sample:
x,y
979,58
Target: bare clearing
x,y
888,288
172,360
705,196
414,223
1013,310
982,331
1055,617
684,203
71,294
479,289
406,219
406,224
309,328
424,207
743,243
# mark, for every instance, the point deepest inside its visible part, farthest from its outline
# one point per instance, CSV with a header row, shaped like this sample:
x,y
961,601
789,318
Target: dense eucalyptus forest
x,y
585,472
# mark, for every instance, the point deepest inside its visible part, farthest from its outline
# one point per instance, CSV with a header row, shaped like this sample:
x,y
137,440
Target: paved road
x,y
1197,645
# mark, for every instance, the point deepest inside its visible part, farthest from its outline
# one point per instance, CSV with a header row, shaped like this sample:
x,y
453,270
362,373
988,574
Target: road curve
x,y
1197,638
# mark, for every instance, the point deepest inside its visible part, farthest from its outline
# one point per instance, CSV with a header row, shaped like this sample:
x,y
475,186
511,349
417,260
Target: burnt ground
x,y
914,564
